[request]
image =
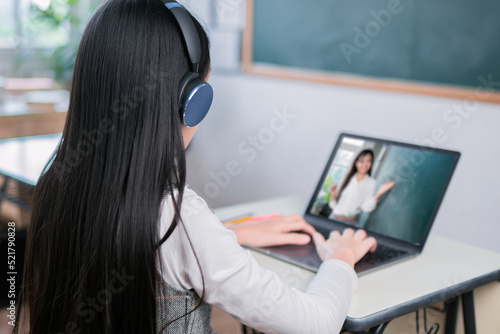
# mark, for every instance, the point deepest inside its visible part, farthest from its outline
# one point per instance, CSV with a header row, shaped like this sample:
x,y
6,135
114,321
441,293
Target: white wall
x,y
291,160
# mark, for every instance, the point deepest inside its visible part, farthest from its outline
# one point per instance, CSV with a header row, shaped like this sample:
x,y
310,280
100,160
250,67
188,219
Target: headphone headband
x,y
188,30
195,95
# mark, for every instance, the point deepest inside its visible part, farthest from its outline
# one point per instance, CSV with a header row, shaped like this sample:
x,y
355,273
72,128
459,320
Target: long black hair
x,y
353,170
93,239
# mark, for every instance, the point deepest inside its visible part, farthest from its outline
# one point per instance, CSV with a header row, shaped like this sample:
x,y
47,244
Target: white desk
x,y
21,162
24,158
445,269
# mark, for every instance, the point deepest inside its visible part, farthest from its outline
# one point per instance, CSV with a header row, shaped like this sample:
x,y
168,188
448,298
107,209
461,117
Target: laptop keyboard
x,y
381,254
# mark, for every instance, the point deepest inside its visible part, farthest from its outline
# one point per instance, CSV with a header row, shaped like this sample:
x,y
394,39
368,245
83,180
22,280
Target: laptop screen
x,y
390,188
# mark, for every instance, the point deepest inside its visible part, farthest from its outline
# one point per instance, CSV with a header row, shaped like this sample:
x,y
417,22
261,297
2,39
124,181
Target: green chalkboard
x,y
455,43
404,212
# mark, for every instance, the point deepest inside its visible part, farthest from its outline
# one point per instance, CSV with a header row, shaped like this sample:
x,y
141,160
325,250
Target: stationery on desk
x,y
248,217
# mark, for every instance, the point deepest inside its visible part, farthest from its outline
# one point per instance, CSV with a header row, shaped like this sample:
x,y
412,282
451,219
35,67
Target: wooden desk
x,y
445,269
31,124
32,113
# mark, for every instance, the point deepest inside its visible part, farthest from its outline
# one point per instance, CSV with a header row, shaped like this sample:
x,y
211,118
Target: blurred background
x,y
38,43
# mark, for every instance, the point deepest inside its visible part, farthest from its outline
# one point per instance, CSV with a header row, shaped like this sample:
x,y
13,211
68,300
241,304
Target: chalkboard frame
x,y
403,86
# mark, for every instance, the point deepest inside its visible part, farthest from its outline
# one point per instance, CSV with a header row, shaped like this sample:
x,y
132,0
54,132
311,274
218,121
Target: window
x,y
42,24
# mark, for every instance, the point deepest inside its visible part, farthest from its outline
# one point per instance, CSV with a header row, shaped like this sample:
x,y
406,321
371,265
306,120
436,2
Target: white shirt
x,y
237,284
357,196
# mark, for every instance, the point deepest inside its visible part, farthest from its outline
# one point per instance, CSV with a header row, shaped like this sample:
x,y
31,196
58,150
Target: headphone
x,y
195,95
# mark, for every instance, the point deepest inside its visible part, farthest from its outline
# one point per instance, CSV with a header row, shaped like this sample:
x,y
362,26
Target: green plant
x,y
59,29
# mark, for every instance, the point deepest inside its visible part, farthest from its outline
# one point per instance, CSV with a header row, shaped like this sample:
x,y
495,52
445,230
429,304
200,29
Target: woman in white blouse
x,y
357,192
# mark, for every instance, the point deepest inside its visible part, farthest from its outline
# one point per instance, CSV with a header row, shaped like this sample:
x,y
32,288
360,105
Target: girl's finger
x,y
335,233
292,239
318,238
372,243
360,235
301,225
348,232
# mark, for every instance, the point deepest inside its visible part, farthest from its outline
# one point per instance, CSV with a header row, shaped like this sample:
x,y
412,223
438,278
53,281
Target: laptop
x,y
346,197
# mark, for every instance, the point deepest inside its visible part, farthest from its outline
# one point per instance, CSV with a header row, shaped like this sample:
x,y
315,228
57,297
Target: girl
x,y
118,243
357,191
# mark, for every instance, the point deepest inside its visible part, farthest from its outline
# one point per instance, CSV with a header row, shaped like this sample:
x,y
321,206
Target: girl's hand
x,y
273,232
333,191
348,246
385,187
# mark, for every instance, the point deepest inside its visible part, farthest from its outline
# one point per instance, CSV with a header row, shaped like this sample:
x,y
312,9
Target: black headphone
x,y
195,95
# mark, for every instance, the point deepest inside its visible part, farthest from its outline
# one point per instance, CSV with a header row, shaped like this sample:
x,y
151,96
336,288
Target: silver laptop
x,y
348,195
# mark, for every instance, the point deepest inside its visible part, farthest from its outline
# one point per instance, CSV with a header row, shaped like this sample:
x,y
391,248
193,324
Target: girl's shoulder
x,y
191,197
193,206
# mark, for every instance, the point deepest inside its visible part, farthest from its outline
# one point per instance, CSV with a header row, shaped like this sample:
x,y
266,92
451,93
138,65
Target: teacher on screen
x,y
357,192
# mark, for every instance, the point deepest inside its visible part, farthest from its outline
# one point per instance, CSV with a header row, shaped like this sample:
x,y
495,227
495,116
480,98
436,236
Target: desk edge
x,y
360,324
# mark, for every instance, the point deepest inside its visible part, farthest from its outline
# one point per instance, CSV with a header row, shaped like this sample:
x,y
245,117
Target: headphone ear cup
x,y
195,99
